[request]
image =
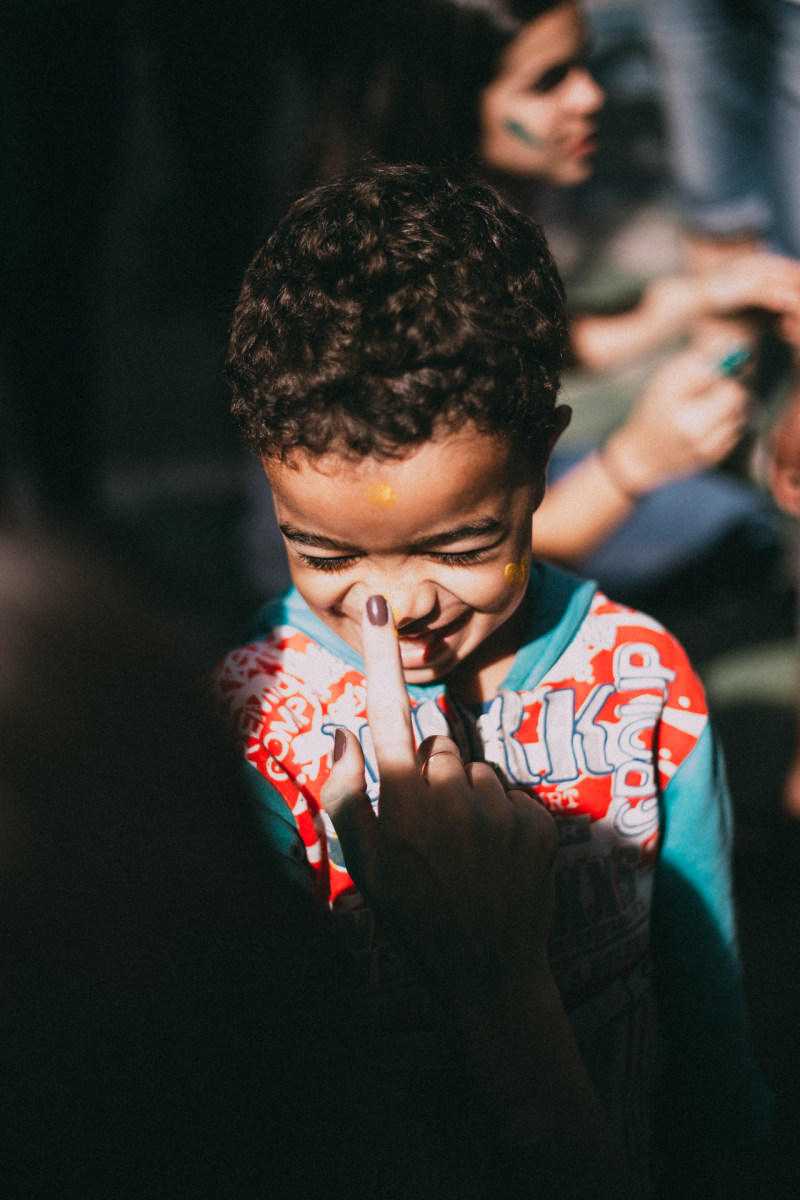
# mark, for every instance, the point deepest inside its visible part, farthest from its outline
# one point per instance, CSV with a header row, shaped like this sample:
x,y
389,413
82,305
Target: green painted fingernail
x,y
732,364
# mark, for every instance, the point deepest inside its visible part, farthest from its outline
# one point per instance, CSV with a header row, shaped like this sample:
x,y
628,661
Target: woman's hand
x,y
460,872
456,869
690,416
733,296
760,280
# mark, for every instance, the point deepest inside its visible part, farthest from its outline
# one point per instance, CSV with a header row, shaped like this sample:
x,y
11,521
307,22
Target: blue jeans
x,y
730,83
680,532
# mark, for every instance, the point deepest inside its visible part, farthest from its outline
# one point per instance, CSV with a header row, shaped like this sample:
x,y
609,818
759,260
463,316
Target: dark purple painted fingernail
x,y
339,744
377,610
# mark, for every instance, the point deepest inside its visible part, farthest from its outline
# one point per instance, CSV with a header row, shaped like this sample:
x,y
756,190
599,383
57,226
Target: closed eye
x,y
557,74
550,81
341,563
449,558
459,558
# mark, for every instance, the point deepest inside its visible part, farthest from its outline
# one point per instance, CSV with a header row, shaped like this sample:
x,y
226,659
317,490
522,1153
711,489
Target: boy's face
x,y
444,534
538,113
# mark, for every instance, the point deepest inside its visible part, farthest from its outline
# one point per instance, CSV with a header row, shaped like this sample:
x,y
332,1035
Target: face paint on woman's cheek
x,y
381,494
523,134
516,573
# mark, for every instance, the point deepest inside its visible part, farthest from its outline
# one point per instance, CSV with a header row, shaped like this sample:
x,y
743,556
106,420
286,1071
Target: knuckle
x,y
485,775
437,741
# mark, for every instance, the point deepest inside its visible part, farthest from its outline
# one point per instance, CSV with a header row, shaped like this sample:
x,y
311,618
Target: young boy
x,y
395,362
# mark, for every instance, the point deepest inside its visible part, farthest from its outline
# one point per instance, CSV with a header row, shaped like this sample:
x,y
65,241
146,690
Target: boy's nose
x,y
410,600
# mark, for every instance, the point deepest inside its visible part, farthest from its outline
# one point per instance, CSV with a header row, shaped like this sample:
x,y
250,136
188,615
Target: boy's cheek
x,y
318,590
337,602
500,591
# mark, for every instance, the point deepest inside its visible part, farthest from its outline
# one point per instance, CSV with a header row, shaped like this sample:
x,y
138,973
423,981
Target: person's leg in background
x,y
730,77
712,57
784,123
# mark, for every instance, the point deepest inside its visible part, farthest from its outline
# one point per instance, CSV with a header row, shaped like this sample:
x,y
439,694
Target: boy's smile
x,y
443,534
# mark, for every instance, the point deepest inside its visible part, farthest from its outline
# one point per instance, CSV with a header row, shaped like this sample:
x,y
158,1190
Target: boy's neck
x,y
479,677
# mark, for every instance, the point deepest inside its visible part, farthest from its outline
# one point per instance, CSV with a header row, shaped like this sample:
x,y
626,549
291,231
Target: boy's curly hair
x,y
390,304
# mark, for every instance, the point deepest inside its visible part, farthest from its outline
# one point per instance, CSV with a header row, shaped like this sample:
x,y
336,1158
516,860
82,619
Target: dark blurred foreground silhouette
x,y
153,957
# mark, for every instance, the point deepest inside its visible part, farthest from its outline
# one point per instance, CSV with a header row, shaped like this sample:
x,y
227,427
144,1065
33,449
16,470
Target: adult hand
x,y
456,869
731,298
689,417
460,872
756,280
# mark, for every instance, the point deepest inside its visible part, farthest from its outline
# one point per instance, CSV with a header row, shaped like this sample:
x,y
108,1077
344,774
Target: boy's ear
x,y
562,416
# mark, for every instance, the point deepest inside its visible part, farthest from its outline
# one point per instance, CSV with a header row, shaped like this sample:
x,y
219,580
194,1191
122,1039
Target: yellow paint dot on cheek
x,y
516,573
381,495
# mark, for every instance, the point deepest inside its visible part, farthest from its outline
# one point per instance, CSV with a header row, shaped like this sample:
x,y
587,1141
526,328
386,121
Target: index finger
x,y
388,708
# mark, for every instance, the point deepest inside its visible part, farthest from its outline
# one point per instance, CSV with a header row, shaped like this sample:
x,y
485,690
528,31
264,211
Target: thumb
x,y
345,800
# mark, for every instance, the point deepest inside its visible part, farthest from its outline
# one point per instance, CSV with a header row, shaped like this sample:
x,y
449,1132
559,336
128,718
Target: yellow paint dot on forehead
x,y
381,495
516,573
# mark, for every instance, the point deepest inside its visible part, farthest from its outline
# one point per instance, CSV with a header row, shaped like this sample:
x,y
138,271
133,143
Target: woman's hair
x,y
400,79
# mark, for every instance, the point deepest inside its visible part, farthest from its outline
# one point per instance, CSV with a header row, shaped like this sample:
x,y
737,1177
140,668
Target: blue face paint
x,y
524,135
733,363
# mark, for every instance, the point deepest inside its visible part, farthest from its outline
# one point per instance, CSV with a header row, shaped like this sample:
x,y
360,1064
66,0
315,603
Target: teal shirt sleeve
x,y
280,830
709,1095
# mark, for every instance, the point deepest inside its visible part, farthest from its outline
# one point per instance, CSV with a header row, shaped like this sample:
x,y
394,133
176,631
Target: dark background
x,y
143,159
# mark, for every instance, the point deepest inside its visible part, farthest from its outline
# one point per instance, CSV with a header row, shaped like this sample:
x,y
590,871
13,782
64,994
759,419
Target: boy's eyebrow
x,y
487,526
